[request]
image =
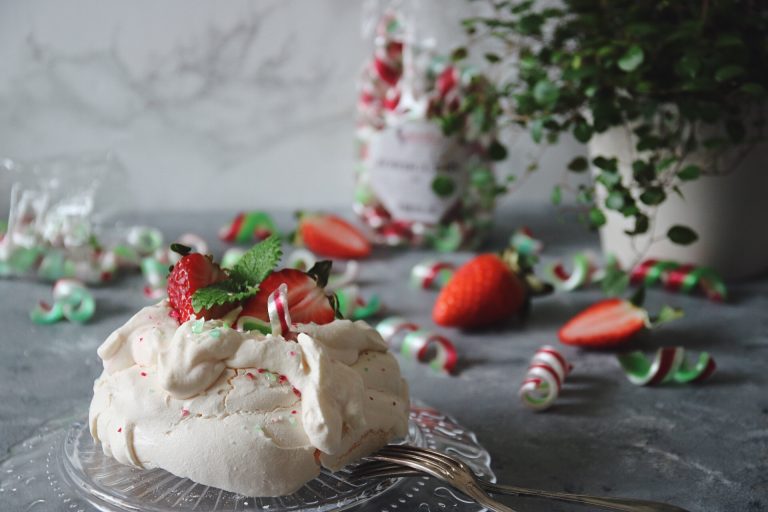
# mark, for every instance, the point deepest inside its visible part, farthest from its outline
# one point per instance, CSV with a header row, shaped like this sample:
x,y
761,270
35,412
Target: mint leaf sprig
x,y
244,278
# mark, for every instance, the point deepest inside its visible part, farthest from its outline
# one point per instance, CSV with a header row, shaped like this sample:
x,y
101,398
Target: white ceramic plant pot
x,y
728,212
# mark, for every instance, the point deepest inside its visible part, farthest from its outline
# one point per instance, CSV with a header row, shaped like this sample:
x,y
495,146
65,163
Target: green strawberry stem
x,y
522,267
320,272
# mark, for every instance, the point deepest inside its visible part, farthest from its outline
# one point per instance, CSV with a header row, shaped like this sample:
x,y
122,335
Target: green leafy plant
x,y
680,76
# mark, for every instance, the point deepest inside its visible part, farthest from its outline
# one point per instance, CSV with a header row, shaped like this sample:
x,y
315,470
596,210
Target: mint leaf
x,y
257,262
223,292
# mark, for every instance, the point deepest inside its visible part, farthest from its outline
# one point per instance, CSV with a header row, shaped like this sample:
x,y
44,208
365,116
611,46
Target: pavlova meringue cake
x,y
252,413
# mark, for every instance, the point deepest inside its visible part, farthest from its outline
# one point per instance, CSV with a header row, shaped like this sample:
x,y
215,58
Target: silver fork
x,y
402,460
454,474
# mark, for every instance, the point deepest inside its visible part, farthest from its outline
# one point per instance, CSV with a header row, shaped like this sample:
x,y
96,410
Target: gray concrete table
x,y
702,447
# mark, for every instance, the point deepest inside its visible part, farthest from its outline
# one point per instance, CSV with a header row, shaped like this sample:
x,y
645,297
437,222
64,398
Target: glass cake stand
x,y
60,469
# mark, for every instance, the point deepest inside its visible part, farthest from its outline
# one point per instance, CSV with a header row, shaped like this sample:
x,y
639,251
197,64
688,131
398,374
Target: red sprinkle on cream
x,y
143,374
119,430
184,413
250,375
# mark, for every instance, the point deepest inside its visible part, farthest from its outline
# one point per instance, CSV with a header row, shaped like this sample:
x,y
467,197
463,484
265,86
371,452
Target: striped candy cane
x,y
248,227
668,365
544,378
677,277
71,300
352,305
431,274
419,344
279,316
581,274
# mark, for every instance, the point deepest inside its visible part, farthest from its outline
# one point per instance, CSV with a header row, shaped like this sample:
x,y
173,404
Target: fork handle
x,y
605,502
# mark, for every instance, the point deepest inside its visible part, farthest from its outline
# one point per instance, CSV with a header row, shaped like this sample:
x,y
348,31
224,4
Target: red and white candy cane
x,y
432,274
544,378
279,316
419,344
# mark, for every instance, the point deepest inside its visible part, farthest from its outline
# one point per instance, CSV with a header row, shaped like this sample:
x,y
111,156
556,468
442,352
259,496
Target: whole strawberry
x,y
482,292
193,272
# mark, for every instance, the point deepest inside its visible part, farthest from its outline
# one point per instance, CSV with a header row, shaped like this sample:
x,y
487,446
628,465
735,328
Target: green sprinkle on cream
x,y
197,327
215,334
270,376
258,429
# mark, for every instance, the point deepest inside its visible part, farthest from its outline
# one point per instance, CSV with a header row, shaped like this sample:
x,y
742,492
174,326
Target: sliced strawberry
x,y
192,272
307,301
332,236
605,324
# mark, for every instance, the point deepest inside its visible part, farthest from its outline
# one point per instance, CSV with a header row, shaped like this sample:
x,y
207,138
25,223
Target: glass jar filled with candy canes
x,y
415,185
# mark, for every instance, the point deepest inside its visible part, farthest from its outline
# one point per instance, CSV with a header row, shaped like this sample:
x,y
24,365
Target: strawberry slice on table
x,y
482,292
331,236
606,324
307,301
191,273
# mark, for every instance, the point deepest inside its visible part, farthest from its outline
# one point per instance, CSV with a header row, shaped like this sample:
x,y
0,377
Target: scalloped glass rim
x,y
64,456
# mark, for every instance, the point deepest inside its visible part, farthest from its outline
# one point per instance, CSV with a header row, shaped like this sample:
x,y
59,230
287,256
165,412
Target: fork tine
x,y
378,469
424,454
436,469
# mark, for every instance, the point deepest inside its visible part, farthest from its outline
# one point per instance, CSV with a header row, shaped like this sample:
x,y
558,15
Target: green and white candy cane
x,y
145,240
155,274
419,344
668,365
71,301
352,305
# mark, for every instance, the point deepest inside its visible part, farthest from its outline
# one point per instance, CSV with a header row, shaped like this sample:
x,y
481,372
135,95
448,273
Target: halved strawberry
x,y
307,301
192,272
332,236
605,324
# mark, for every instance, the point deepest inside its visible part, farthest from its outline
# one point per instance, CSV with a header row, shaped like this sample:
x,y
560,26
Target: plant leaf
x,y
443,186
728,72
557,195
497,151
596,217
631,59
578,164
682,235
545,93
653,196
689,172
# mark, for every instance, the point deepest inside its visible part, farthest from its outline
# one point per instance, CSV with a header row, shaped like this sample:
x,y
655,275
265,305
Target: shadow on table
x,y
584,395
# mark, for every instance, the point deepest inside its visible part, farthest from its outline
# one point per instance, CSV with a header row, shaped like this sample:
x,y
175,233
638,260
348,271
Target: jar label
x,y
416,172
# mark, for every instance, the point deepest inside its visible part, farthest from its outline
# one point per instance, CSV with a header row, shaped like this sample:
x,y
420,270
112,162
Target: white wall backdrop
x,y
208,104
